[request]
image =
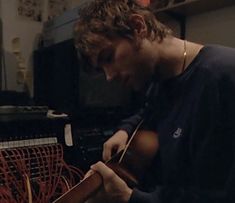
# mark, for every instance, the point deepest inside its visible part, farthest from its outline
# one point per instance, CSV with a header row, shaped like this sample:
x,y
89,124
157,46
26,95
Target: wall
x,y
26,30
172,23
213,27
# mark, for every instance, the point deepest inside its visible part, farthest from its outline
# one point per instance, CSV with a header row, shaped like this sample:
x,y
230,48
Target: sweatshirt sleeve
x,y
180,195
144,197
130,123
167,195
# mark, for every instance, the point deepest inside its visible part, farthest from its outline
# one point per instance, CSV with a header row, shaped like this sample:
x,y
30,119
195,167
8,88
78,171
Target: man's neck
x,y
175,55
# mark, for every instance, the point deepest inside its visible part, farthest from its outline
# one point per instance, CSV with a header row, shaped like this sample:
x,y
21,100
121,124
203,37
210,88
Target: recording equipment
x,y
56,70
24,131
1,54
89,142
23,110
34,158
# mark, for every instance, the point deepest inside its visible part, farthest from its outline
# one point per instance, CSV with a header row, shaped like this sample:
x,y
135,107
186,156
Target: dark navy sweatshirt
x,y
194,116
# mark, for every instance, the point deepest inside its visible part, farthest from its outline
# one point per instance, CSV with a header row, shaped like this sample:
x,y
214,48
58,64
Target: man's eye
x,y
106,56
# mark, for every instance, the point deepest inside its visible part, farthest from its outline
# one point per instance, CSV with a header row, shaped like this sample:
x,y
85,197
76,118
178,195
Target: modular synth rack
x,y
32,164
89,142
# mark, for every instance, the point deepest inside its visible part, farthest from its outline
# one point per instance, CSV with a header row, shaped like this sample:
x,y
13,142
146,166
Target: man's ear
x,y
138,25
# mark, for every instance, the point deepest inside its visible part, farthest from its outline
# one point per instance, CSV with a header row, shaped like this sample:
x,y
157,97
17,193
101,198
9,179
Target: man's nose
x,y
109,78
110,75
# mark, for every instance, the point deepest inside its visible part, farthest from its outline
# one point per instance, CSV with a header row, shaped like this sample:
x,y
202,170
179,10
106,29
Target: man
x,y
190,104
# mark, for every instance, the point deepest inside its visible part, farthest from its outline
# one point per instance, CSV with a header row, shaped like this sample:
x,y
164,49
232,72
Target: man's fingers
x,y
104,171
106,152
114,187
89,173
120,149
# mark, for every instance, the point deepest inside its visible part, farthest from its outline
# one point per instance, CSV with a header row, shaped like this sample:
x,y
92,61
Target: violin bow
x,y
130,140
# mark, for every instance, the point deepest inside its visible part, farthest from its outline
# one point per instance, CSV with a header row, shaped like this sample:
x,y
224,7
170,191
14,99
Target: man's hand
x,y
115,144
114,189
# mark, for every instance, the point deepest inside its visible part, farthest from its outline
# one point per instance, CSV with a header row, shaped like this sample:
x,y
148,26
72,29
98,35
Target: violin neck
x,y
82,191
86,188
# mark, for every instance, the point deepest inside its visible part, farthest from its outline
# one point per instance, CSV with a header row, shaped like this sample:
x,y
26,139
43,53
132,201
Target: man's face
x,y
121,60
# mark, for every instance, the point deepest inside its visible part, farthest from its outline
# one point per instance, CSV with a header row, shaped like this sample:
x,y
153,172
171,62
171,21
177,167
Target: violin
x,y
129,164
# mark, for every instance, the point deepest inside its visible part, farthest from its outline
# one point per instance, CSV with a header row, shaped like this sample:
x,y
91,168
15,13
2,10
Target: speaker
x,y
56,73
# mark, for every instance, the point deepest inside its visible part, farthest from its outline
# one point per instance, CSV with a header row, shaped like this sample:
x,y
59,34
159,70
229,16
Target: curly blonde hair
x,y
107,19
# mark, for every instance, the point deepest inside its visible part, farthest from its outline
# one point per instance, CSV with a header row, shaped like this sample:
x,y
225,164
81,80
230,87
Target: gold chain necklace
x,y
185,56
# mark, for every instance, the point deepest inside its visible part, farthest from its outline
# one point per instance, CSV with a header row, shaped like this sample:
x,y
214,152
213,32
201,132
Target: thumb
x,y
104,171
120,148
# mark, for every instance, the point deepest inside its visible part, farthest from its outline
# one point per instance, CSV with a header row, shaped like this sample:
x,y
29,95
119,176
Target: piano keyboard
x,y
28,142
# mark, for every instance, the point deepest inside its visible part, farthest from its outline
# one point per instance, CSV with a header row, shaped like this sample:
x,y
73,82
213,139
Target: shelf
x,y
191,7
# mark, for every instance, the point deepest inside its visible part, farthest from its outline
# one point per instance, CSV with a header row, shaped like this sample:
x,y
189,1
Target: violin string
x,y
130,140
